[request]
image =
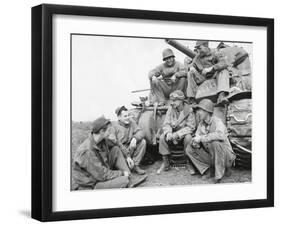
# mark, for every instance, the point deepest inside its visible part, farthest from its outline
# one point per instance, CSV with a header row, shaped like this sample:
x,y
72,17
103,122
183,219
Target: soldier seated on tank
x,y
210,150
208,64
179,125
130,138
166,78
96,165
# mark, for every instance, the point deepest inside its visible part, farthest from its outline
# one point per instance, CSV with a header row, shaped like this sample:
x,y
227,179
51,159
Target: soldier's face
x,y
203,50
201,114
124,117
170,61
176,104
101,135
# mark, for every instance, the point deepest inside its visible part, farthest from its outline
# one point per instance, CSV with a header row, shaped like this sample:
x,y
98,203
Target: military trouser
x,y
139,152
216,154
161,90
164,145
116,160
195,79
119,182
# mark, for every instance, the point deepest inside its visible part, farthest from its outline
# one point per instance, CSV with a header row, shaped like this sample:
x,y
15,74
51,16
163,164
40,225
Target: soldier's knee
x,y
187,139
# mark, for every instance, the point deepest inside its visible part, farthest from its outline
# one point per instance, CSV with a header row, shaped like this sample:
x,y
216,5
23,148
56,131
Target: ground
x,y
176,176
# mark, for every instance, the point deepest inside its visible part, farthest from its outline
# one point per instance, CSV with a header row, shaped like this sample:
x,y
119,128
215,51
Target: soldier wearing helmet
x,y
178,127
210,150
208,64
167,77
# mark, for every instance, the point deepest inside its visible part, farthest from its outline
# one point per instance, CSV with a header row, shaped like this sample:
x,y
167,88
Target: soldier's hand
x,y
175,136
197,139
133,144
154,78
169,136
173,78
205,71
130,162
192,69
126,173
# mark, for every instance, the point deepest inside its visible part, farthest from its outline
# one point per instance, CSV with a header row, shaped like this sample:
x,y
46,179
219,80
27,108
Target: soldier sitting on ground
x,y
179,125
210,150
166,78
208,64
130,138
97,165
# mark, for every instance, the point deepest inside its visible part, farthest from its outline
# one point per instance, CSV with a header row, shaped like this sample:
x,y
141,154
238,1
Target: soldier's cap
x,y
120,109
99,124
167,53
206,105
177,95
201,42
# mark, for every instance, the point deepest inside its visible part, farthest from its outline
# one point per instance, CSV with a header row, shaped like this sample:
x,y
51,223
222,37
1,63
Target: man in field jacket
x,y
129,138
210,150
96,165
167,77
179,125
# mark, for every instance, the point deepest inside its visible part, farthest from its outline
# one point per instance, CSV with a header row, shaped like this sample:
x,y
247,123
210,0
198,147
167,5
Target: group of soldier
x,y
114,150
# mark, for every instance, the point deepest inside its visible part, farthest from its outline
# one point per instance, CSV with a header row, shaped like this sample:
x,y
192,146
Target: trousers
x,y
139,152
216,154
195,79
119,182
164,146
161,90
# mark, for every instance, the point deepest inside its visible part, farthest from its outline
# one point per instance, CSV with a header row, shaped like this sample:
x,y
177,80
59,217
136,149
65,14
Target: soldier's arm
x,y
94,167
181,70
167,122
138,133
190,126
155,72
113,138
218,135
220,61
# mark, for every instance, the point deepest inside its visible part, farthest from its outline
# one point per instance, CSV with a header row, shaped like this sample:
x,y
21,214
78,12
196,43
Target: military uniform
x,y
161,89
122,134
98,166
180,122
215,150
213,59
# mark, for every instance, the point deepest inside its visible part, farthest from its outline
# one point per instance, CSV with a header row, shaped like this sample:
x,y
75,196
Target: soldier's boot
x,y
190,169
138,170
166,162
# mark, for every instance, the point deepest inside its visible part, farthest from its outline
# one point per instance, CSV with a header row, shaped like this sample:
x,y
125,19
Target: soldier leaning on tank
x,y
179,125
130,138
97,165
208,64
167,77
210,150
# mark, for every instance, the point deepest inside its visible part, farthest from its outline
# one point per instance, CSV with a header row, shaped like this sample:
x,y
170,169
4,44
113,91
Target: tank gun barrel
x,y
181,48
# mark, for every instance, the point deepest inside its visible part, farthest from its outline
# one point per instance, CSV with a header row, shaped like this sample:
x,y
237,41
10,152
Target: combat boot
x,y
166,162
138,170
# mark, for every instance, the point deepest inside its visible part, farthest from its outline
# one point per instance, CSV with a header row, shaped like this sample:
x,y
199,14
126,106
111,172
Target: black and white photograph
x,y
159,112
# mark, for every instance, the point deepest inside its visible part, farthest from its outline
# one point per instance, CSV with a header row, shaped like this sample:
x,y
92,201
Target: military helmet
x,y
167,53
202,42
206,105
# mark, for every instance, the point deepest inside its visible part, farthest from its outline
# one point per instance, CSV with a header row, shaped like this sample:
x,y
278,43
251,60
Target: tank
x,y
236,116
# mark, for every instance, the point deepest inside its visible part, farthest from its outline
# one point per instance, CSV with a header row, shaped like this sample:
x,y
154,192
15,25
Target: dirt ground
x,y
175,176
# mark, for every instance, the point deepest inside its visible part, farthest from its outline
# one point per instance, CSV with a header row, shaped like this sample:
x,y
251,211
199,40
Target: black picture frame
x,y
42,107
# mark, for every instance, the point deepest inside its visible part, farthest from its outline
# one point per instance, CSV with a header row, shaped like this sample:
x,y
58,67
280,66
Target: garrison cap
x,y
202,42
120,109
177,95
206,105
100,123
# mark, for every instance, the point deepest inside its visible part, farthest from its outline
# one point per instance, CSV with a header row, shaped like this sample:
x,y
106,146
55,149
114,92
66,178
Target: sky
x,y
105,71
